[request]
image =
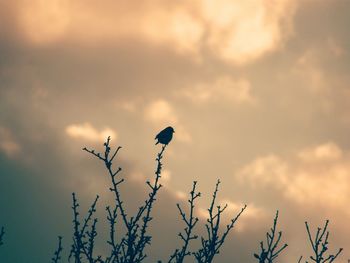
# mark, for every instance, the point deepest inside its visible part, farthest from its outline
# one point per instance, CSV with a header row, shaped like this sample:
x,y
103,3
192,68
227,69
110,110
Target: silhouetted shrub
x,y
269,253
190,223
130,246
211,244
320,244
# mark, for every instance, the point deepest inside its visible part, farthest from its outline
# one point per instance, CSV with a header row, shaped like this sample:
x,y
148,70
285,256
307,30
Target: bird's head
x,y
170,129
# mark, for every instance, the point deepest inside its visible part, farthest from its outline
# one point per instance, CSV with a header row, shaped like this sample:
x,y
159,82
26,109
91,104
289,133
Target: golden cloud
x,y
316,175
160,111
241,31
88,132
236,31
44,21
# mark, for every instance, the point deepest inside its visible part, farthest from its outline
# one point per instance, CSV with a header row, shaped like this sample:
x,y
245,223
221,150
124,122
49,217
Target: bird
x,y
165,136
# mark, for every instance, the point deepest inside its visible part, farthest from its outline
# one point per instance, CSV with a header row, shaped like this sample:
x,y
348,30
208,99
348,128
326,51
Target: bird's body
x,y
165,136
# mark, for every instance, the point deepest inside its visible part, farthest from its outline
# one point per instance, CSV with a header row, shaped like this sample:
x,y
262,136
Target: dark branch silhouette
x,y
131,246
128,244
272,251
83,238
2,233
57,254
190,223
210,246
320,244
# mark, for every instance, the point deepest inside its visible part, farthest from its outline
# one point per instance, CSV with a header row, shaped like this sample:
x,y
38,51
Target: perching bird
x,y
165,136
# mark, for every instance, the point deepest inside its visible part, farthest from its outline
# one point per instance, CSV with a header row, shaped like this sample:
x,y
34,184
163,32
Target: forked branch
x,y
210,245
319,244
190,222
130,246
269,253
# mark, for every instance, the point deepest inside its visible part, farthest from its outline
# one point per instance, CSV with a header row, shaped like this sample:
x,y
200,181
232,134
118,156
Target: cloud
x,y
160,111
88,132
166,175
263,171
242,31
224,88
177,28
316,175
324,152
180,195
236,31
50,22
8,143
308,67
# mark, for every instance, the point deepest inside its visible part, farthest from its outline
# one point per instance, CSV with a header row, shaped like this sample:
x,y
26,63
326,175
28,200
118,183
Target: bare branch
x,y
57,254
271,252
210,246
2,233
190,223
319,245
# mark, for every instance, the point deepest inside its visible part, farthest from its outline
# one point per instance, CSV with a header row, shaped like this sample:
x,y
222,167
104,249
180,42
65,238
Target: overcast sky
x,y
257,91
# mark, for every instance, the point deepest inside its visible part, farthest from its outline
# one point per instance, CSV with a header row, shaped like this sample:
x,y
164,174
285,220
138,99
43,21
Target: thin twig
x,y
271,252
210,246
2,233
57,254
320,245
190,223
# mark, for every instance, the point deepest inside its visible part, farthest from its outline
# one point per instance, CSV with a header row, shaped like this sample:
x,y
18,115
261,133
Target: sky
x,y
257,92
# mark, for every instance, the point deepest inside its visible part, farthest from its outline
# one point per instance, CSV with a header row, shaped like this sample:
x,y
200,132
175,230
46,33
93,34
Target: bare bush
x,y
190,222
269,253
130,246
320,245
211,244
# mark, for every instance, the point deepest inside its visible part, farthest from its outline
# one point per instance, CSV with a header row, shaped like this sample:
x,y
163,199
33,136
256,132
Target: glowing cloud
x,y
236,31
325,152
88,132
160,111
318,175
241,31
44,21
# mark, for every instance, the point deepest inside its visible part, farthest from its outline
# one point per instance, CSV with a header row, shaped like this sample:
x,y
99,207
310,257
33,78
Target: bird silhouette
x,y
165,136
